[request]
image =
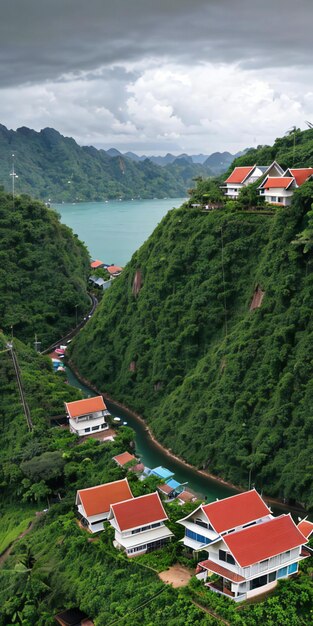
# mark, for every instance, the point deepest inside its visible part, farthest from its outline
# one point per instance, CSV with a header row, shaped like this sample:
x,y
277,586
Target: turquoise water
x,y
113,230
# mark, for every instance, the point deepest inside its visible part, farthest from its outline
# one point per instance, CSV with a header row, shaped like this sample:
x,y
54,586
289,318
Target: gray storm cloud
x,y
178,74
42,39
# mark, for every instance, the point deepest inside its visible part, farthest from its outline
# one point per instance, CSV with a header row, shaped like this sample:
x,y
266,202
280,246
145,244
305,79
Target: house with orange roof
x,y
247,548
279,190
306,528
87,416
96,264
124,458
243,176
94,503
114,270
139,524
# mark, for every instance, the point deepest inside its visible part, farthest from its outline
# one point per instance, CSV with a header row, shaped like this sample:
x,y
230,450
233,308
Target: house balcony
x,y
219,587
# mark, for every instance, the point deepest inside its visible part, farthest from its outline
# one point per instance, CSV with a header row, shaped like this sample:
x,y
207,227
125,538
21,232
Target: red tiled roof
x,y
265,540
83,407
277,182
187,496
139,511
124,458
301,174
96,263
221,571
113,269
236,511
306,528
239,174
165,488
96,500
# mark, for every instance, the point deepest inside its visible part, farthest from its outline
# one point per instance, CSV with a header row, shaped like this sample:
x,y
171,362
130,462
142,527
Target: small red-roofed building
x,y
114,270
306,528
87,416
243,176
279,190
96,264
248,549
139,524
124,458
94,503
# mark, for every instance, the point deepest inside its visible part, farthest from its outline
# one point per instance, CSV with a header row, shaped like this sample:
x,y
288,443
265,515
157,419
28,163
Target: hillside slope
x,y
56,168
43,271
227,388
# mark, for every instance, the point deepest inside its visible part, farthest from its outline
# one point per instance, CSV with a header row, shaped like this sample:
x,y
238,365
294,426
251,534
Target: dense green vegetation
x,y
226,388
50,166
43,273
57,565
292,150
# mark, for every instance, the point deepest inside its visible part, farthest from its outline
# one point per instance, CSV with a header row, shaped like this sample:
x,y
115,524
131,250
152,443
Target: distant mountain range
x,y
55,168
218,162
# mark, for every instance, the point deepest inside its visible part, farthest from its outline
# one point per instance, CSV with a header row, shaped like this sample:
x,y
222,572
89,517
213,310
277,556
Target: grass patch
x,y
13,522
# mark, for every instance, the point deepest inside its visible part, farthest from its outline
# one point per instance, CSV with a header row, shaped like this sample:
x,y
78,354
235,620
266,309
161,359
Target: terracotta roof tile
x,y
301,174
124,458
306,528
96,263
236,511
239,174
114,269
221,571
262,541
139,511
83,407
97,500
277,182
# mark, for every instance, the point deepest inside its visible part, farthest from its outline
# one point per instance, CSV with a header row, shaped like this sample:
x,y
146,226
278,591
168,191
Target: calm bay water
x,y
113,230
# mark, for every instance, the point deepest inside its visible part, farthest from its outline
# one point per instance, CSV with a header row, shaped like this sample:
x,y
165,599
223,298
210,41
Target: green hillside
x,y
228,389
50,166
293,150
43,271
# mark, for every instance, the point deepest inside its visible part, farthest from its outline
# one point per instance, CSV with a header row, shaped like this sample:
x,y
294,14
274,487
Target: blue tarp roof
x,y
173,483
162,472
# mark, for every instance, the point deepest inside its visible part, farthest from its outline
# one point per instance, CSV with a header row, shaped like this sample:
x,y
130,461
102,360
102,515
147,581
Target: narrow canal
x,y
152,456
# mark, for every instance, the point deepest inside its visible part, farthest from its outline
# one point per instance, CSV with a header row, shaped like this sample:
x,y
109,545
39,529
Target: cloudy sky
x,y
158,75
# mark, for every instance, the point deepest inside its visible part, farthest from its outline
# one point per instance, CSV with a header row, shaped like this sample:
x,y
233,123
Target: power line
x,y
223,275
119,619
20,387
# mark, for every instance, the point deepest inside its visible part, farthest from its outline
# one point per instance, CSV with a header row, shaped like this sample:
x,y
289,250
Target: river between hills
x,y
113,231
153,456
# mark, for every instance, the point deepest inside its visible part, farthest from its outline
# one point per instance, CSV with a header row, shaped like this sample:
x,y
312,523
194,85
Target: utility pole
x,y
37,344
14,176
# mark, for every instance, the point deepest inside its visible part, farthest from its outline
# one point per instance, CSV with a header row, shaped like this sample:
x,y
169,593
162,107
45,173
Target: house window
x,y
272,577
136,549
282,572
225,556
273,198
95,428
87,430
200,522
103,425
196,537
258,582
293,568
264,564
280,199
